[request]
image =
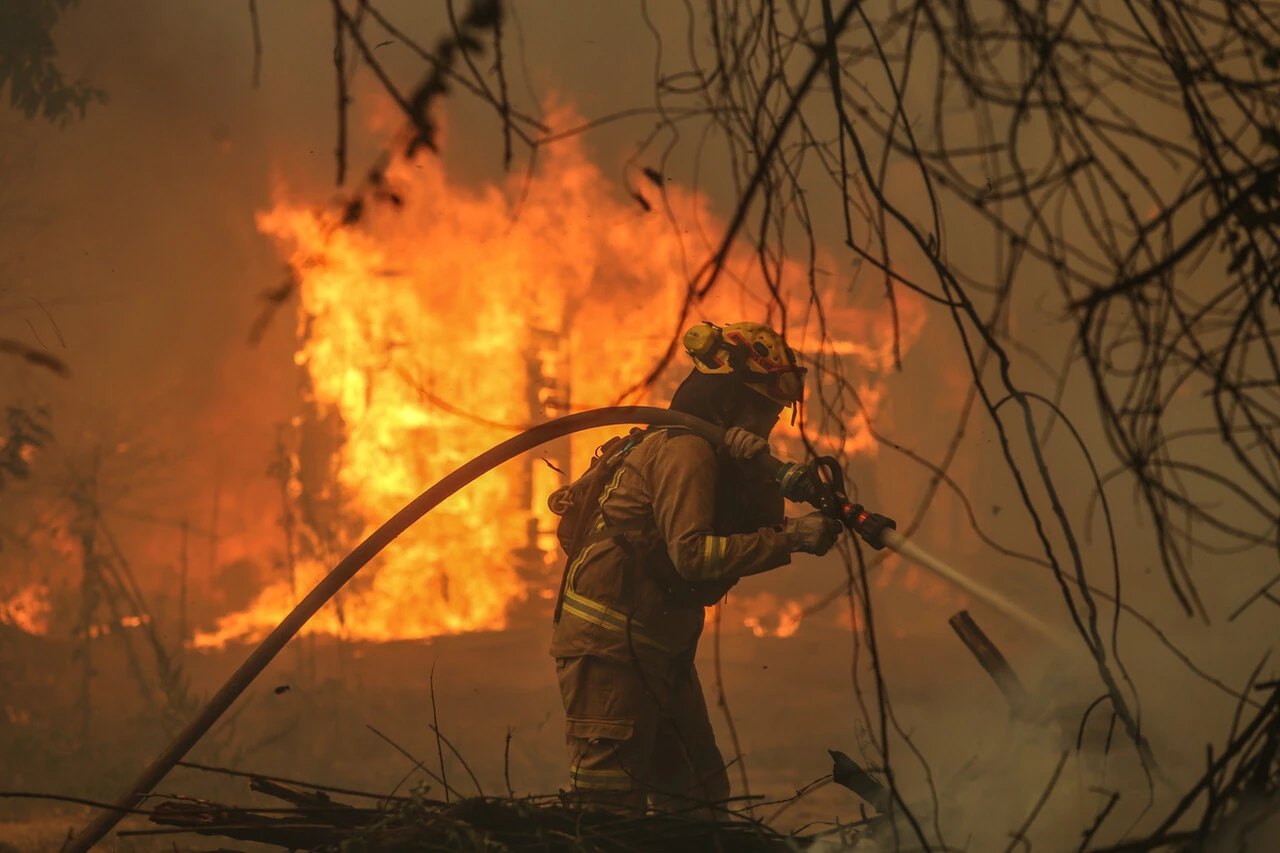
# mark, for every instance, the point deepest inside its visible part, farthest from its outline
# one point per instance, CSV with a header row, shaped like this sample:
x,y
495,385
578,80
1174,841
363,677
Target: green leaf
x,y
27,53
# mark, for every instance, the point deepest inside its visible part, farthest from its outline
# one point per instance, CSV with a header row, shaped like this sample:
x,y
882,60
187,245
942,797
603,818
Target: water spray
x,y
825,490
820,483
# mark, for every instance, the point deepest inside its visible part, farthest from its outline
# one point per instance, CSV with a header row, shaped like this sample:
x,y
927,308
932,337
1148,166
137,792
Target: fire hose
x,y
825,491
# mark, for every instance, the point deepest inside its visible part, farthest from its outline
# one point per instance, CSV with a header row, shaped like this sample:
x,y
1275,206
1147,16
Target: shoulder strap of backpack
x,y
581,537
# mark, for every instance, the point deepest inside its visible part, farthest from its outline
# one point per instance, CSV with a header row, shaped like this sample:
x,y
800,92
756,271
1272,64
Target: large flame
x,y
429,329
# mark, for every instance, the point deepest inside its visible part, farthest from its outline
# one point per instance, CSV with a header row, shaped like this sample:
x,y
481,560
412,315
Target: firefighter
x,y
660,528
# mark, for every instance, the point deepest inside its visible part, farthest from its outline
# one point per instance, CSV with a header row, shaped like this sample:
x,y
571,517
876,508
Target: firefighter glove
x,y
743,445
814,533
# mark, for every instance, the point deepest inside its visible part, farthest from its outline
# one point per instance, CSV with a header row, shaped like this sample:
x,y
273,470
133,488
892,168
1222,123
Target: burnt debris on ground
x,y
399,824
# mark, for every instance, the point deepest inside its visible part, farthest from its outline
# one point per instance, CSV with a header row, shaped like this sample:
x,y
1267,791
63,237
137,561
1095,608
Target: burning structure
x,y
442,324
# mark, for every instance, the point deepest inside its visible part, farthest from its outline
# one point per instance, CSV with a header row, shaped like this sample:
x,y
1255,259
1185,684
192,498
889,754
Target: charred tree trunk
x,y
995,663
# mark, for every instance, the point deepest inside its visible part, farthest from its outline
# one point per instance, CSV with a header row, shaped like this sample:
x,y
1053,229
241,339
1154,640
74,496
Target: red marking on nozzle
x,y
862,518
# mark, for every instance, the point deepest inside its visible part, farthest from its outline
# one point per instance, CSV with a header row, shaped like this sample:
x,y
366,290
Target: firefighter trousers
x,y
637,735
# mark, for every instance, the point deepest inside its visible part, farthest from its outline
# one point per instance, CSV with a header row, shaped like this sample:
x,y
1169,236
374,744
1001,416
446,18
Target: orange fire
x,y
433,328
28,610
765,615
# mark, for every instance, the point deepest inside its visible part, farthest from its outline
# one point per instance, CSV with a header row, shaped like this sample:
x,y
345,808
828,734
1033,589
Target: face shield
x,y
785,387
789,388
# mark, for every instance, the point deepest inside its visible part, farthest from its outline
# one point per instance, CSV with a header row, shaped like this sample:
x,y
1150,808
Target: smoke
x,y
138,237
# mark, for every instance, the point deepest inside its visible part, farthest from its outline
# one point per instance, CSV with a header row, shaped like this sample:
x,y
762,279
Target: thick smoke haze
x,y
130,248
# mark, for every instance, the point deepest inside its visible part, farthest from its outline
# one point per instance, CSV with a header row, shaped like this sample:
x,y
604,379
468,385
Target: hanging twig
x,y
722,700
506,764
504,100
1021,834
257,43
340,23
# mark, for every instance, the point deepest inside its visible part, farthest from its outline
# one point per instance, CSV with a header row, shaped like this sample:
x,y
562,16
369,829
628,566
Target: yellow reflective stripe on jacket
x,y
613,484
581,558
598,526
609,619
600,780
712,557
599,614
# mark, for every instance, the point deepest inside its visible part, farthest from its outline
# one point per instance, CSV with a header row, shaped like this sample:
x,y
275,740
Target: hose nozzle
x,y
821,484
871,526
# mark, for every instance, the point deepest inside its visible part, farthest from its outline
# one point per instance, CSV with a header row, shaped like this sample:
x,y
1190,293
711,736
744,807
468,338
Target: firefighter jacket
x,y
676,525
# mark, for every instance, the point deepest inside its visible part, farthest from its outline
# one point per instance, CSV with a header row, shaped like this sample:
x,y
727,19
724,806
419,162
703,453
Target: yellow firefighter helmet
x,y
755,353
